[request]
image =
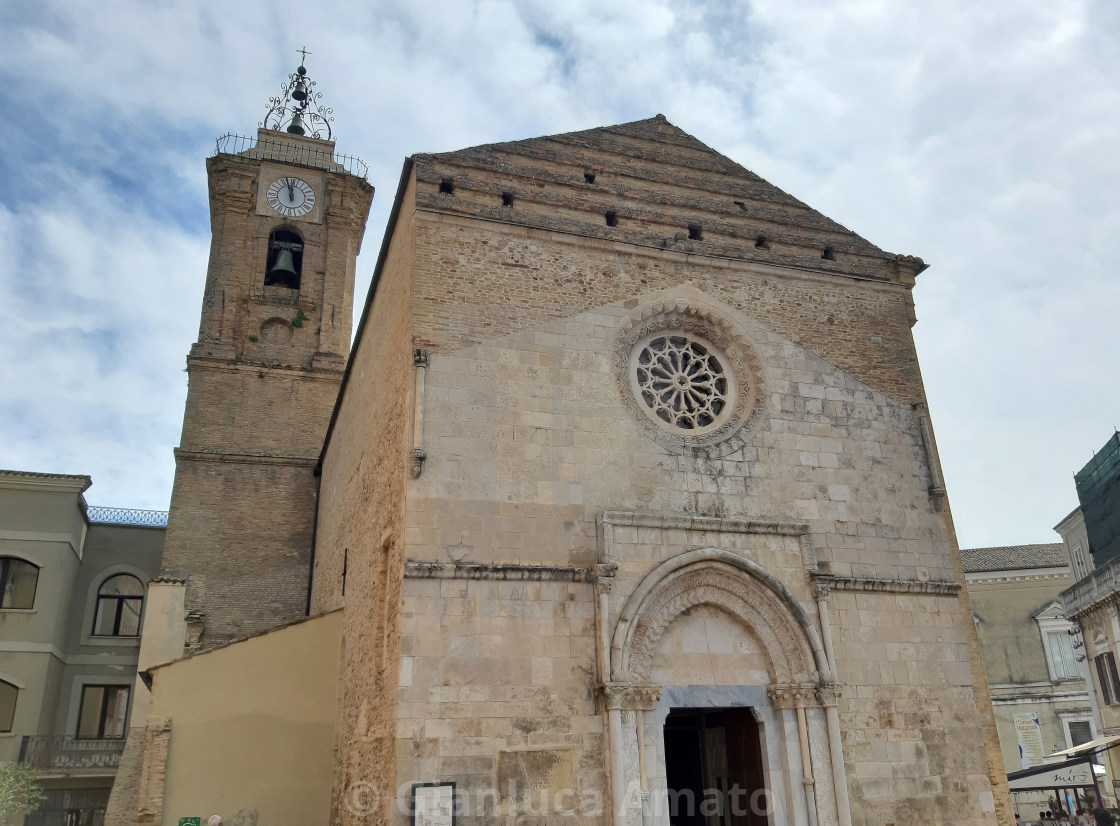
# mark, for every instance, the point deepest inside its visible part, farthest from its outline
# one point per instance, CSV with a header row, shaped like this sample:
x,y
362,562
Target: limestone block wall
x,y
910,717
496,676
529,425
360,530
529,441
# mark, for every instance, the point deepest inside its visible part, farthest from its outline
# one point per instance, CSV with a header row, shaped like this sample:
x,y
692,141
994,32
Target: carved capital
x,y
644,697
630,697
828,694
416,457
822,586
421,357
792,695
604,577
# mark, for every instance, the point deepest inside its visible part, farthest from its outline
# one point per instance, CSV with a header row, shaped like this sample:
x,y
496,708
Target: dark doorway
x,y
713,768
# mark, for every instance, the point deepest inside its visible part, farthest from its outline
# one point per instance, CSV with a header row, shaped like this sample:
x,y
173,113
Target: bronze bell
x,y
300,92
296,126
284,270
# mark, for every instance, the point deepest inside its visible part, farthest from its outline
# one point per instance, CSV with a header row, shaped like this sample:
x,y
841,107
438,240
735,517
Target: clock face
x,y
291,196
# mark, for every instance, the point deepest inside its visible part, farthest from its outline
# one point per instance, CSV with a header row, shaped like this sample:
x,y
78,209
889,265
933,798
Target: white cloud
x,y
980,136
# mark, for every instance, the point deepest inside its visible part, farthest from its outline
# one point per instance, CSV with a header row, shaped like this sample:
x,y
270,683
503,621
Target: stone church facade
x,y
629,490
580,552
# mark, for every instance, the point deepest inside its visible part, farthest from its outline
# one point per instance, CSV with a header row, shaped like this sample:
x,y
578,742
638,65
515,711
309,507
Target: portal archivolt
x,y
733,584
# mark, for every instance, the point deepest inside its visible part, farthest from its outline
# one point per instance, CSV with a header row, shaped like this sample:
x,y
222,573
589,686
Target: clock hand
x,y
291,193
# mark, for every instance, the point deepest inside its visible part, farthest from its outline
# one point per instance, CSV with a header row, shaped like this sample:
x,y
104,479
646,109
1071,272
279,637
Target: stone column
x,y
829,694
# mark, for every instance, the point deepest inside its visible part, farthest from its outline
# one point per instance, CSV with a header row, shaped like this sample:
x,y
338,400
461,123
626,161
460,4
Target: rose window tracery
x,y
691,377
682,382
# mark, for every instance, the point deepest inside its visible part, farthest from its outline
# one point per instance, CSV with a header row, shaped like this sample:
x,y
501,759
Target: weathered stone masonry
x,y
508,592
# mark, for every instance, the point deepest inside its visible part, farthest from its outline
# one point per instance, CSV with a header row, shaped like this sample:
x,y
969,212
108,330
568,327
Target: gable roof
x,y
1014,557
662,186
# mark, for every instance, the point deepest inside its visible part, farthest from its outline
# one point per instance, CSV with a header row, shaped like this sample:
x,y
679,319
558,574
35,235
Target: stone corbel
x,y
416,458
420,359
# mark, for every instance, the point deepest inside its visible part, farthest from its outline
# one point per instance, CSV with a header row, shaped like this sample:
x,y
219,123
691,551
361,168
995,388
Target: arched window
x,y
8,694
119,602
18,579
285,259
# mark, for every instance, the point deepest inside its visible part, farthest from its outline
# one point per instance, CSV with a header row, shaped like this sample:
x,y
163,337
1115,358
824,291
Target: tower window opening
x,y
589,177
285,259
695,232
612,218
828,255
507,199
447,187
762,243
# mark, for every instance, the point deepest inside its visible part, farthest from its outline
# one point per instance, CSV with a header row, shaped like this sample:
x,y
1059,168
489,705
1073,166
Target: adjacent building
x,y
1093,602
1041,701
73,581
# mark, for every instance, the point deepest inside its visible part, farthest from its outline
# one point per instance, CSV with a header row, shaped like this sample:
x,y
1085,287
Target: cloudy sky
x,y
984,137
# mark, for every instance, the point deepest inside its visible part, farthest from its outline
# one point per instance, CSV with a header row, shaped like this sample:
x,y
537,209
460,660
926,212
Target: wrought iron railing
x,y
70,754
1100,584
70,807
302,153
126,516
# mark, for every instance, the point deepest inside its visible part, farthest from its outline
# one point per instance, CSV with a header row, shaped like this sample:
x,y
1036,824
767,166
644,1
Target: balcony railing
x,y
303,153
126,516
70,807
71,755
1100,584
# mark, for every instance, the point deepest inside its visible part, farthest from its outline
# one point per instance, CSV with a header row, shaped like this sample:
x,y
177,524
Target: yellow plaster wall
x,y
252,727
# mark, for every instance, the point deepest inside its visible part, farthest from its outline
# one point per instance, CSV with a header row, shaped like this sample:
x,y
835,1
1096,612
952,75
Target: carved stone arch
x,y
732,583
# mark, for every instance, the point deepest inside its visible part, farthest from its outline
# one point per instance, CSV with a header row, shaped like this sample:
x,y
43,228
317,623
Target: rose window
x,y
682,382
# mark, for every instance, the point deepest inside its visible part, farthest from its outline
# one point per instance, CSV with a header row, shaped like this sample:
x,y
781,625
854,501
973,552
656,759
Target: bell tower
x,y
287,216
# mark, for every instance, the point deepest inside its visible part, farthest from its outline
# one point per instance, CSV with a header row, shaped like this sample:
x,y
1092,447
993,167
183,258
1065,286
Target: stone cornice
x,y
221,365
634,248
430,569
702,523
243,458
51,482
1020,575
888,586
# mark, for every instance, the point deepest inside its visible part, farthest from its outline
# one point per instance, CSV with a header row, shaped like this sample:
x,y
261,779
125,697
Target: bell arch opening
x,y
284,266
